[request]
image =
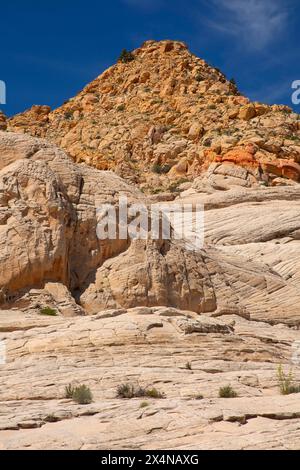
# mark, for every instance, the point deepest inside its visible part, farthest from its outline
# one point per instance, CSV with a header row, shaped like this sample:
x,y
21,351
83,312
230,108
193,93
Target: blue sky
x,y
50,50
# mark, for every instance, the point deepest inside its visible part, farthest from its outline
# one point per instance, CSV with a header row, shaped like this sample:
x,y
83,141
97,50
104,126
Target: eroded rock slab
x,y
150,347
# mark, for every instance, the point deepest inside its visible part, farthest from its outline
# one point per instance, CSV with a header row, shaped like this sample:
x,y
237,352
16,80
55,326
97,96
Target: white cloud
x,y
255,22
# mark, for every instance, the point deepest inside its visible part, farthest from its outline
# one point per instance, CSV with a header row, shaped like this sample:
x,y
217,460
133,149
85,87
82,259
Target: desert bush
x,y
81,394
286,382
154,393
144,404
48,311
126,56
125,391
199,77
227,392
51,418
69,390
130,391
188,366
199,397
68,115
161,169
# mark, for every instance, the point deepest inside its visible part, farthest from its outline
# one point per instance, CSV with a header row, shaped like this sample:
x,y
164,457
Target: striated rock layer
x,y
149,347
152,313
48,235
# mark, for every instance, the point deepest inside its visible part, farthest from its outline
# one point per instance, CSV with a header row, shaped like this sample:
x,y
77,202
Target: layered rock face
x,y
146,346
48,216
151,313
165,116
48,235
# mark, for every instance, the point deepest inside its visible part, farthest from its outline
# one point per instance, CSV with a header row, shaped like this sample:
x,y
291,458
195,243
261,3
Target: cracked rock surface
x,y
149,347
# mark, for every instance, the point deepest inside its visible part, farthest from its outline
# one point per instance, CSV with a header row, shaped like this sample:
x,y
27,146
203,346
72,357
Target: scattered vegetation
x,y
199,77
126,56
81,394
68,115
156,190
286,382
50,312
156,100
199,397
130,391
233,81
293,137
175,187
144,404
51,418
227,392
161,169
207,142
125,391
153,393
188,366
121,107
69,390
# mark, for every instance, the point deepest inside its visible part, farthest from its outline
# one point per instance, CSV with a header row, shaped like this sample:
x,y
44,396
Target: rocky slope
x,y
150,312
167,111
230,311
48,235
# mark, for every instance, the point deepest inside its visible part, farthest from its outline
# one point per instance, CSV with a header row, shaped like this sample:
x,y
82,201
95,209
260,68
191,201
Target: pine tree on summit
x,y
126,56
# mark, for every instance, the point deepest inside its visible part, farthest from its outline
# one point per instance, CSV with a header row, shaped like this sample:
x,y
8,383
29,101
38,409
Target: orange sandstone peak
x,y
156,115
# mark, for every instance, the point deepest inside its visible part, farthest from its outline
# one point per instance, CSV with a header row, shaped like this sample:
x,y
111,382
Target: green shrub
x,y
130,391
154,393
50,312
155,191
51,418
227,392
286,382
174,188
82,395
199,77
161,169
68,115
121,107
69,390
144,404
125,391
232,81
199,397
126,56
207,142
